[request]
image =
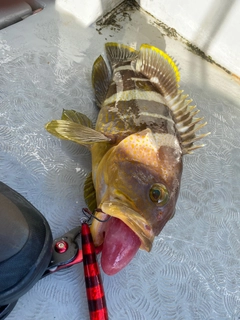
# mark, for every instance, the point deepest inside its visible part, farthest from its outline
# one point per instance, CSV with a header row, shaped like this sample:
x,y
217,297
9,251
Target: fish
x,y
145,126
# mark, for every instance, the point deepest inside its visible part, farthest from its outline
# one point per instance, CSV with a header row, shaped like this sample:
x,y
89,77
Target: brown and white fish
x,y
144,127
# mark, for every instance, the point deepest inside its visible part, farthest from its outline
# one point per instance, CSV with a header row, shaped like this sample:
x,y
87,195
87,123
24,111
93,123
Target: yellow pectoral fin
x,y
78,117
76,132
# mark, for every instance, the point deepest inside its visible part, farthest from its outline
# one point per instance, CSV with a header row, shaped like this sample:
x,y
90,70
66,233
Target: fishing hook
x,y
91,215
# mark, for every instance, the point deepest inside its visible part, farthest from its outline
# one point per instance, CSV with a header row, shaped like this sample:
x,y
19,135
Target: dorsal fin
x,y
159,68
186,123
162,71
100,80
117,52
90,193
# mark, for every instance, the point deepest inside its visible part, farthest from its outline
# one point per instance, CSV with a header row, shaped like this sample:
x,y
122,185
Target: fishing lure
x,y
94,288
66,253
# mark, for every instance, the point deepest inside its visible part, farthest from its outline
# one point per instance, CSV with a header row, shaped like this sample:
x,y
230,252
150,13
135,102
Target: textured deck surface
x,y
193,271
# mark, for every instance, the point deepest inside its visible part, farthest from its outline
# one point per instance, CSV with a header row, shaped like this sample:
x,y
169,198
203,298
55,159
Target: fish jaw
x,y
123,180
121,235
124,176
134,220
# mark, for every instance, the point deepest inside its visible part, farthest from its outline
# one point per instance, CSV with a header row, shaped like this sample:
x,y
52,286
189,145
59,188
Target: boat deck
x,y
193,270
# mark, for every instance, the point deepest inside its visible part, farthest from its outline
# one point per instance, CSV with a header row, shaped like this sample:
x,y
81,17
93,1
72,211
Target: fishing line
x,y
91,215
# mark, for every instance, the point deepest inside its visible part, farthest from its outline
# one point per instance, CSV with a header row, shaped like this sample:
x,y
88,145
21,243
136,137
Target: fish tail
x,y
117,52
95,292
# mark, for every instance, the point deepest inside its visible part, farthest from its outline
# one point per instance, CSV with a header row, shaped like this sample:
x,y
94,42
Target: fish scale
x,y
132,104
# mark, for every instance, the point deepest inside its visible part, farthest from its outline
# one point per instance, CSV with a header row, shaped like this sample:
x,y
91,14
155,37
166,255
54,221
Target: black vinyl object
x,y
26,243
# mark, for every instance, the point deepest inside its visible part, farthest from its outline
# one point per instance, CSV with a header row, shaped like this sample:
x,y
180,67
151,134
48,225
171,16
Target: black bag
x,y
26,247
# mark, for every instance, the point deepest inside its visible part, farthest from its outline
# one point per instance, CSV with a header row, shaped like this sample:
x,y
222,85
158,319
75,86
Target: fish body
x,y
144,127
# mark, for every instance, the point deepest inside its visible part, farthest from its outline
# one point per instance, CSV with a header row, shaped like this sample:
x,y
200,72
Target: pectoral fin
x,y
77,117
68,130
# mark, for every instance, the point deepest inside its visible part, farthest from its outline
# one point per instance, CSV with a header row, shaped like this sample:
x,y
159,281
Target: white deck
x,y
193,271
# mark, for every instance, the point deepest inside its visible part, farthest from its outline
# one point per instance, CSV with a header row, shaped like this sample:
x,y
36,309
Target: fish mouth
x,y
134,220
120,236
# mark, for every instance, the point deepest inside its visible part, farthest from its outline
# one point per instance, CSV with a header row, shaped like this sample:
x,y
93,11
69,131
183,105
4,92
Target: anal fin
x,y
100,80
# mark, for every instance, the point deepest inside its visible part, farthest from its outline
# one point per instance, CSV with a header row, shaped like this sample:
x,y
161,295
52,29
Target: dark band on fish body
x,y
131,84
137,106
123,63
129,80
126,76
144,108
137,115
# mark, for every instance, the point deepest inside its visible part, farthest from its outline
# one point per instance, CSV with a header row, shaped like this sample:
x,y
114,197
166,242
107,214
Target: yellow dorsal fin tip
x,y
115,44
165,56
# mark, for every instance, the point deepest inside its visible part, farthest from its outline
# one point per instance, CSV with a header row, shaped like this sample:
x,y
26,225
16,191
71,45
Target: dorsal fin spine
x,y
117,52
183,119
166,57
186,124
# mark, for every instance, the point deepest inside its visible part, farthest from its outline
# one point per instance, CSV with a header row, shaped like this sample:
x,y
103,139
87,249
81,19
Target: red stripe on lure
x,y
95,292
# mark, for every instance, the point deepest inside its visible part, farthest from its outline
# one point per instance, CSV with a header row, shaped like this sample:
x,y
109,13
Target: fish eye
x,y
158,193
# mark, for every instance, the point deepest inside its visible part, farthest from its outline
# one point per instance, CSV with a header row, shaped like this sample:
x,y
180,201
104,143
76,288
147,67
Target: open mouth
x,y
122,235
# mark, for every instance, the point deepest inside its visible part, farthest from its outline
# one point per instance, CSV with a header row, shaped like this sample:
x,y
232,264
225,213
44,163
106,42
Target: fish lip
x,y
134,220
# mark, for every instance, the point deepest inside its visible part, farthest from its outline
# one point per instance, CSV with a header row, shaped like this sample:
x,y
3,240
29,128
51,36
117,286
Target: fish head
x,y
138,182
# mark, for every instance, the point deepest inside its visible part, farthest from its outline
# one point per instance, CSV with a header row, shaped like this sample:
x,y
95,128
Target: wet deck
x,y
193,271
